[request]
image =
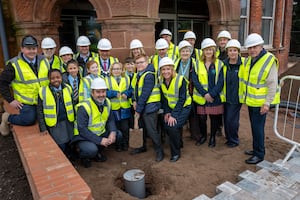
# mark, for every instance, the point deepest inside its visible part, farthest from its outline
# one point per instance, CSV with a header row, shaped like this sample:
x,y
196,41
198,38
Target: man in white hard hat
x,y
222,39
65,54
259,84
84,54
161,47
190,36
48,48
105,60
95,126
24,74
173,51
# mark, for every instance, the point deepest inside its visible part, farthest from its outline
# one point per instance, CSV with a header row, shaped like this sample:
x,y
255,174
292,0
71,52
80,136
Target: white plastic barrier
x,y
288,112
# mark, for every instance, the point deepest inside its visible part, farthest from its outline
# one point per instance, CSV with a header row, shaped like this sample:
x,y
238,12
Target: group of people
x,y
88,101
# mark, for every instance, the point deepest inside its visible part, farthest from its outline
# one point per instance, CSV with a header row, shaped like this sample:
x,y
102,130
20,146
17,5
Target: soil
x,y
198,171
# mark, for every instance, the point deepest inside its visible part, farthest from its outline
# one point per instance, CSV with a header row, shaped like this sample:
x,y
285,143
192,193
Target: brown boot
x,y
4,127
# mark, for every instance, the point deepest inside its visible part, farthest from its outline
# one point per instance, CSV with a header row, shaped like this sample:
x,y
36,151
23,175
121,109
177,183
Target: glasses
x,y
141,62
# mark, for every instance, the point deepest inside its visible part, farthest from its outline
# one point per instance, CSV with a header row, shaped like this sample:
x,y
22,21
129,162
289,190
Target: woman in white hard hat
x,y
233,68
136,48
190,36
184,67
176,103
208,84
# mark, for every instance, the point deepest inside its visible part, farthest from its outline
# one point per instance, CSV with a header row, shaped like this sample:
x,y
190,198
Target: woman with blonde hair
x,y
208,83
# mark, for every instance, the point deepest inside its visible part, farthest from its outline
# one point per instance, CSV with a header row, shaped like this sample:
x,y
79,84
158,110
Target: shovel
x,y
136,135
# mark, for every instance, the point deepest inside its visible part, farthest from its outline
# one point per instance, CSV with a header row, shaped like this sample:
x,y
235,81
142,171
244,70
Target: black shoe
x,y
249,152
174,158
100,157
125,148
138,150
212,142
253,160
86,162
159,156
232,145
202,140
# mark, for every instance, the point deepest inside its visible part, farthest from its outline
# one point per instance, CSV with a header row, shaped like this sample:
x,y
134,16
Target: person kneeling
x,y
95,126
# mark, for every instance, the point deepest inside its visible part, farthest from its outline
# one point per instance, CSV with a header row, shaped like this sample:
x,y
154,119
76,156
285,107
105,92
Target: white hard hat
x,y
48,43
189,34
65,50
161,44
104,44
136,44
233,43
224,34
183,44
208,42
83,41
253,39
98,83
165,32
165,61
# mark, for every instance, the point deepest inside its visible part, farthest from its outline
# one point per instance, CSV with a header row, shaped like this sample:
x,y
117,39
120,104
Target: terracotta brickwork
x,y
49,172
124,20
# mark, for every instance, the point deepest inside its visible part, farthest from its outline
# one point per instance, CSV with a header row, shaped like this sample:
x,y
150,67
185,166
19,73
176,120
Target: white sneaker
x,y
4,127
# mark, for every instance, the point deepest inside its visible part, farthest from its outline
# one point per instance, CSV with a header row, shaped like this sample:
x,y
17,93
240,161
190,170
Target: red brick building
x,y
124,20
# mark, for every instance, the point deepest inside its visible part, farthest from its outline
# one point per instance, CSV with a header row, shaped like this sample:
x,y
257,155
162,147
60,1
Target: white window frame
x,y
244,33
269,44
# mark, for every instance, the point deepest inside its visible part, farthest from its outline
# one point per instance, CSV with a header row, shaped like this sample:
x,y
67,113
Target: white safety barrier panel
x,y
288,112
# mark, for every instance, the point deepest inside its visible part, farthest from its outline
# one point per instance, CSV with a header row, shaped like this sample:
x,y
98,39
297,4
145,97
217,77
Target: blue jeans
x,y
232,122
26,117
257,121
89,149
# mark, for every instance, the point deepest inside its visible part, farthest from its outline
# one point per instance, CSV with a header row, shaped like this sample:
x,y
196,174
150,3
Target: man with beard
x,y
95,126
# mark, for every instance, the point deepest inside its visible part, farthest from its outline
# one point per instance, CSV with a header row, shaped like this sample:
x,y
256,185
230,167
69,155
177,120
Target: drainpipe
x,y
3,36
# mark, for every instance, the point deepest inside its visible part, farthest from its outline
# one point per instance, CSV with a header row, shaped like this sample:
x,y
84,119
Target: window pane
x,y
266,28
268,7
242,31
244,7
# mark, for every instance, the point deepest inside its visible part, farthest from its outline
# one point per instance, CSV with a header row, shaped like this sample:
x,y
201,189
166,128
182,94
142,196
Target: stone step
x,y
202,197
228,188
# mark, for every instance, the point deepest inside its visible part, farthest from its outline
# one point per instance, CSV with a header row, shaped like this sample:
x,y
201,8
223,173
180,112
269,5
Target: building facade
x,y
124,20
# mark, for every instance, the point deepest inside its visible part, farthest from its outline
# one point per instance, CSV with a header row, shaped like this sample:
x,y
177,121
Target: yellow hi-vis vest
x,y
240,75
58,64
203,79
80,91
254,84
198,53
49,104
26,84
155,61
117,103
112,60
97,120
155,94
173,51
172,93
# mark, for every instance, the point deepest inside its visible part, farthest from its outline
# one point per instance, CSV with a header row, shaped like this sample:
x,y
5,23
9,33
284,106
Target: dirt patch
x,y
199,170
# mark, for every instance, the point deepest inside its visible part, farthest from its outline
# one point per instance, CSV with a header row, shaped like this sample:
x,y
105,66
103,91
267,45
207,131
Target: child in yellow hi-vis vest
x,y
119,91
55,110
